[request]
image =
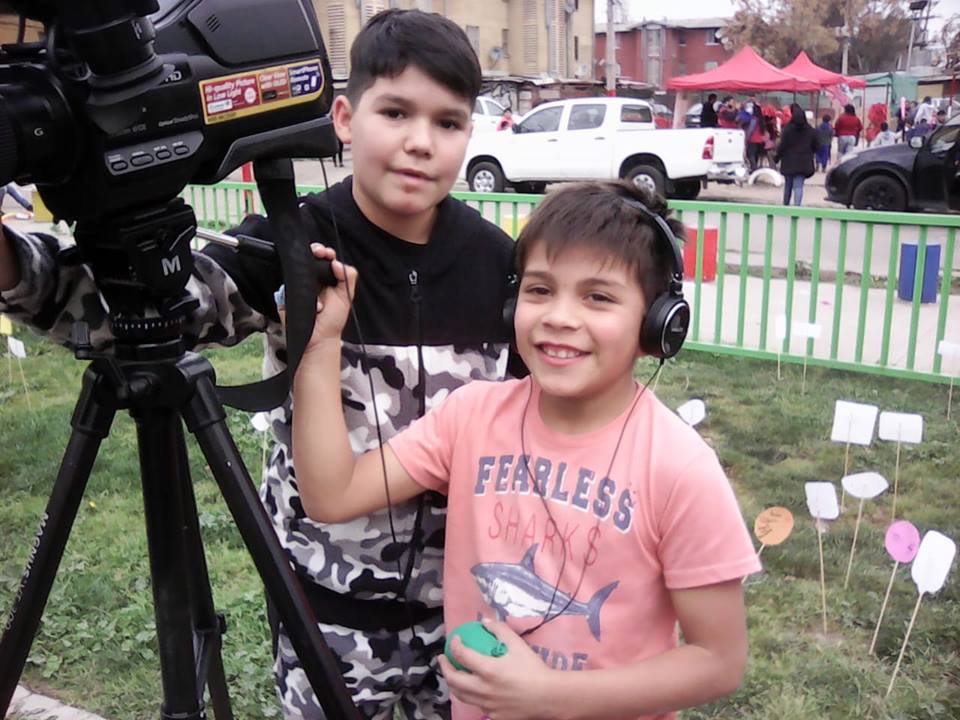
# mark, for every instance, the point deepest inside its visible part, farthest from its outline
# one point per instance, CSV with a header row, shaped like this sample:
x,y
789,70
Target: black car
x,y
919,175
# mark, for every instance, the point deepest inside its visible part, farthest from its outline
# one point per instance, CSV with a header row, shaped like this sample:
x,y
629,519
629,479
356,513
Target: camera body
x,y
125,102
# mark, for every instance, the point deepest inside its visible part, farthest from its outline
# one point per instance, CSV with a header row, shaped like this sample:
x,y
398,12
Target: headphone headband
x,y
666,233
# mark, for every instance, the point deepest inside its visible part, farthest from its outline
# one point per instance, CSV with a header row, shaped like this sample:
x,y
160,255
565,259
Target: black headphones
x,y
667,320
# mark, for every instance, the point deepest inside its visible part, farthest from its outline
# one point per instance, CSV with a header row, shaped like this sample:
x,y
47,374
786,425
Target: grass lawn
x,y
96,647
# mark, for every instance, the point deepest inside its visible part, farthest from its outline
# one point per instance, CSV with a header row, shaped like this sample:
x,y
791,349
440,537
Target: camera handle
x,y
157,394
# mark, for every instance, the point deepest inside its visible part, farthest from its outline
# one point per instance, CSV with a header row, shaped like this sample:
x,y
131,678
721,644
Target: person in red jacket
x,y
847,128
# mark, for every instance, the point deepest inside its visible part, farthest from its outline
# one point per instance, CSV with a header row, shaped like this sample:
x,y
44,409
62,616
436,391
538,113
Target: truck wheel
x,y
879,192
687,190
485,177
646,177
533,188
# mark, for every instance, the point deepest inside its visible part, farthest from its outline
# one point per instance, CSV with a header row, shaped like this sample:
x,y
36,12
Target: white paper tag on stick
x,y
806,330
949,349
780,327
865,485
853,422
16,347
901,427
260,422
693,412
932,563
822,500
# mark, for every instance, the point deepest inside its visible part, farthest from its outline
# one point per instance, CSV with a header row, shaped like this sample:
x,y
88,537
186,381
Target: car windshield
x,y
943,140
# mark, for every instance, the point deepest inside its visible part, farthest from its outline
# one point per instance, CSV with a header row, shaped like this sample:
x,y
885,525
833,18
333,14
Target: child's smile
x,y
578,324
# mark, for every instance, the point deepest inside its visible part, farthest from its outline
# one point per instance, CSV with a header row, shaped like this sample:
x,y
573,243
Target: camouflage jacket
x,y
430,319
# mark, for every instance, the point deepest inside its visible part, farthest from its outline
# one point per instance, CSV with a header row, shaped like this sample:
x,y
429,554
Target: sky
x,y
683,9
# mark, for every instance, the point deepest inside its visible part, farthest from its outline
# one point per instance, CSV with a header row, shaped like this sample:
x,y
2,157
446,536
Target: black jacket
x,y
708,116
797,149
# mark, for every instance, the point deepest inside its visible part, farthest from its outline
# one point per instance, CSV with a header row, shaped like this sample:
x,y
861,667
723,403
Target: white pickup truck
x,y
601,139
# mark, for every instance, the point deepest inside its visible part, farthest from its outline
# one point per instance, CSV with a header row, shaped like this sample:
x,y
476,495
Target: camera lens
x,y
38,140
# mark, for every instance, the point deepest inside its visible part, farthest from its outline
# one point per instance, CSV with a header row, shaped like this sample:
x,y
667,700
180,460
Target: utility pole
x,y
611,61
845,62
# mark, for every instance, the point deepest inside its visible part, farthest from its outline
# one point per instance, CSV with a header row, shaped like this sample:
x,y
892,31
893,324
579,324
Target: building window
x,y
473,35
681,68
576,47
681,36
505,42
709,65
712,36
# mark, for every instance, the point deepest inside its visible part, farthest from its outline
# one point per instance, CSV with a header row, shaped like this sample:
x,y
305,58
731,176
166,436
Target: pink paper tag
x,y
902,541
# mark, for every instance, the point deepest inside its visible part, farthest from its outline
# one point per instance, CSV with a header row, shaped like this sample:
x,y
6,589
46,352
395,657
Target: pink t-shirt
x,y
664,517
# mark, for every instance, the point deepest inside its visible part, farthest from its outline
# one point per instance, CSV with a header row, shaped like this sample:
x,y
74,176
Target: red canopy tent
x,y
802,66
745,71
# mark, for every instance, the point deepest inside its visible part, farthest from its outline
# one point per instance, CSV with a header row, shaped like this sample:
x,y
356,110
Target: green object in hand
x,y
476,637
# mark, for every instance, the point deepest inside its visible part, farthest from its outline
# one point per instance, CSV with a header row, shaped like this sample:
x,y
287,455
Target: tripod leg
x,y
160,439
205,418
209,626
91,424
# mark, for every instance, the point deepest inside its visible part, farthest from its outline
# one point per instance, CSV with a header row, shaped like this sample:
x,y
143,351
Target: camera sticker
x,y
235,96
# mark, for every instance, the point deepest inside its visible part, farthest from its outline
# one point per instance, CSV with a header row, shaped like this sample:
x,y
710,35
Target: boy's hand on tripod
x,y
333,303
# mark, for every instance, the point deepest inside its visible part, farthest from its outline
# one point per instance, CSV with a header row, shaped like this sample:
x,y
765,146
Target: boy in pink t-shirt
x,y
585,519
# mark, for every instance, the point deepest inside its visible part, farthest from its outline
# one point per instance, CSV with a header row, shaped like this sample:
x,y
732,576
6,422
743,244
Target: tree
x,y
951,43
779,29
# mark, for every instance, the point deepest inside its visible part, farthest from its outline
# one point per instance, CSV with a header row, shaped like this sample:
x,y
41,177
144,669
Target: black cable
x,y
547,617
366,369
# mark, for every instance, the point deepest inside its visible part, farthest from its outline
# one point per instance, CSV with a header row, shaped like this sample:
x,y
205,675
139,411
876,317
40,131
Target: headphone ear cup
x,y
665,326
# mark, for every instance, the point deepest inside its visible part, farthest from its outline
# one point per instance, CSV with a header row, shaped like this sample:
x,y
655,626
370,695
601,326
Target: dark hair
x,y
727,98
596,215
849,109
926,99
711,97
826,118
798,115
393,40
884,127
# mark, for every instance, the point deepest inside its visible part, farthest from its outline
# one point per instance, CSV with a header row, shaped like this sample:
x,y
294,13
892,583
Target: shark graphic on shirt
x,y
515,590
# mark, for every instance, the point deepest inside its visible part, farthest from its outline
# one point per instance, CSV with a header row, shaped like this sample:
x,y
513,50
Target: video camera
x,y
124,102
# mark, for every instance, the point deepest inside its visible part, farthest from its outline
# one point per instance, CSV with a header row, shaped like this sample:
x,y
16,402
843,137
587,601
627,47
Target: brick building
x,y
653,51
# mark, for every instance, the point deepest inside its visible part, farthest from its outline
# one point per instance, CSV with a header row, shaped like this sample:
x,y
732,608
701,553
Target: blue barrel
x,y
908,271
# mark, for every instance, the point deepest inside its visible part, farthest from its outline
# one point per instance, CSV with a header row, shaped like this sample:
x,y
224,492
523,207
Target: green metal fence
x,y
842,270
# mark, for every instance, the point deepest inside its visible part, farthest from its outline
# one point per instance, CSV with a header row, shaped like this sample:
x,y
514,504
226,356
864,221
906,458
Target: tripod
x,y
158,382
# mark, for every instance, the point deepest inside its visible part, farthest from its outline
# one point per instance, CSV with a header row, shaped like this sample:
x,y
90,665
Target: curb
x,y
32,706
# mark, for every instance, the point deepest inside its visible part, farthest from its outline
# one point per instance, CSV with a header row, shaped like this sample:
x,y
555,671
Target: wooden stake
x,y
779,377
25,388
896,481
759,553
853,545
803,383
846,468
883,607
823,581
949,397
903,648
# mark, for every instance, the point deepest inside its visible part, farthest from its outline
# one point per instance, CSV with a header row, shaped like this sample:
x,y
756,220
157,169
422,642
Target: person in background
x,y
506,120
727,115
848,128
708,112
796,152
825,138
756,138
14,192
925,111
941,117
885,137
